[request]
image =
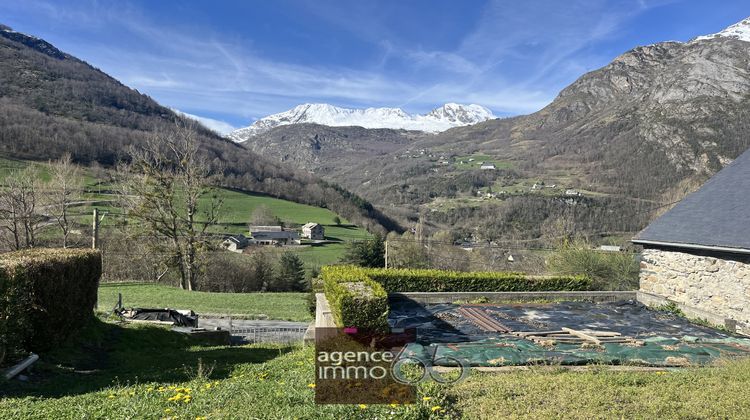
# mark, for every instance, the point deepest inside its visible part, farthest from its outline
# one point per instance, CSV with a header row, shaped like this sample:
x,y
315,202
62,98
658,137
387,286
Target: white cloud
x,y
221,127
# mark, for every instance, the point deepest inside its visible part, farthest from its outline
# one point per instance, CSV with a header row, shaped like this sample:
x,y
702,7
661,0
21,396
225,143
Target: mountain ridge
x,y
439,119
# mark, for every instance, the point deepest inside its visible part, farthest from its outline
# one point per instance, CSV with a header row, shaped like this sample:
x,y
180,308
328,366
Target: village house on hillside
x,y
235,243
313,231
698,253
272,235
488,166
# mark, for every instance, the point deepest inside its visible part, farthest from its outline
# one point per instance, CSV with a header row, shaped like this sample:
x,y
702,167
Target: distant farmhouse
x,y
235,243
488,166
698,253
313,231
272,235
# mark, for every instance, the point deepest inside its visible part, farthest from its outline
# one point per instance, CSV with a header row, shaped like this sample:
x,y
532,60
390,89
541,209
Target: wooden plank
x,y
583,335
528,333
601,333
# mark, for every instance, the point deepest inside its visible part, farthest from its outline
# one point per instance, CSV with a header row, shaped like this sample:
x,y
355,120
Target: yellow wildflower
x,y
167,410
311,385
200,418
426,398
394,405
110,396
436,408
149,389
362,406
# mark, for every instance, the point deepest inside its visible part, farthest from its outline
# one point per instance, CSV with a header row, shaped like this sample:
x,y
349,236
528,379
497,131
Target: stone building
x,y
235,243
272,235
313,231
697,255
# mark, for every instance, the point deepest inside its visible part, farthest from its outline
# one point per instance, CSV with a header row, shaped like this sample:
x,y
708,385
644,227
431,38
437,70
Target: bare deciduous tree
x,y
263,216
163,186
18,207
65,189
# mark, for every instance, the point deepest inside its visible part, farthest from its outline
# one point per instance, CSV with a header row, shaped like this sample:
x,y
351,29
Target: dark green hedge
x,y
355,299
45,296
413,280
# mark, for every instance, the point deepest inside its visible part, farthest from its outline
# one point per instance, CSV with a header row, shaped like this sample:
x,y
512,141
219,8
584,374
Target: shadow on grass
x,y
107,354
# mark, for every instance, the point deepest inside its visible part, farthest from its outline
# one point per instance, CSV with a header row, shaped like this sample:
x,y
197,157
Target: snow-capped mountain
x,y
740,30
439,119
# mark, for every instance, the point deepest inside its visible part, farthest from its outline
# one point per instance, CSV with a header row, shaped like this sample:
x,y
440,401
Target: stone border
x,y
492,297
556,367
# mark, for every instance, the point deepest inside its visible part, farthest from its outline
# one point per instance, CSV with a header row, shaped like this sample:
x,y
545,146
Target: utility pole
x,y
95,232
386,254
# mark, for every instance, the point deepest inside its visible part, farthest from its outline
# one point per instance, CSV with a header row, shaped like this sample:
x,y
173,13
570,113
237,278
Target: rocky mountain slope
x,y
439,119
52,103
323,149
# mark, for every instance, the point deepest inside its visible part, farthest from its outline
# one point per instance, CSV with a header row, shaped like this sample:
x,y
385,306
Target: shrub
x,y
607,270
413,280
45,296
355,299
367,253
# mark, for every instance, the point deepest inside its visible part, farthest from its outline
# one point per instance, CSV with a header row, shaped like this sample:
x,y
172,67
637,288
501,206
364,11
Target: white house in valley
x,y
313,231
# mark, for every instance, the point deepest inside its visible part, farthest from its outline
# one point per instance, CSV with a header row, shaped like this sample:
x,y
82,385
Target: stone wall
x,y
715,285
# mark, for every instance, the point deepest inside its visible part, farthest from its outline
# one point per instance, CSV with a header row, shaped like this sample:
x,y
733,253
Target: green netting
x,y
514,351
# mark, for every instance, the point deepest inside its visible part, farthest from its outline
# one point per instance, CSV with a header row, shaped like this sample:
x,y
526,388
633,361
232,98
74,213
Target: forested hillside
x,y
52,103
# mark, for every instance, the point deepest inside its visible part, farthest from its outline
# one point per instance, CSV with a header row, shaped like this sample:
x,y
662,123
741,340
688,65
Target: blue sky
x,y
236,61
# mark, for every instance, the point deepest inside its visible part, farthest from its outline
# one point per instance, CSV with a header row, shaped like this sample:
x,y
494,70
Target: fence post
x,y
95,230
386,254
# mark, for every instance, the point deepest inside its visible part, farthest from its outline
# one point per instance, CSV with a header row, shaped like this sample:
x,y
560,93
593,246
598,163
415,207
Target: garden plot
x,y
567,333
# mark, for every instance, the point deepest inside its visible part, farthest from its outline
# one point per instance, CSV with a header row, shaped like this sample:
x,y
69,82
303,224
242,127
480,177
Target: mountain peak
x,y
740,30
439,119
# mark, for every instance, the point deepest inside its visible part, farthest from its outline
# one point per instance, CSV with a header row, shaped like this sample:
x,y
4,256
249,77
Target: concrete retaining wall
x,y
499,297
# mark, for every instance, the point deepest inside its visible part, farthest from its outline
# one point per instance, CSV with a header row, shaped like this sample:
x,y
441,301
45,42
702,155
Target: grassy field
x,y
475,163
281,306
238,207
697,393
234,215
134,371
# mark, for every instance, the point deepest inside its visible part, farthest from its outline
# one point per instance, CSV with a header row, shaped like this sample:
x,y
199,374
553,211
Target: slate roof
x,y
715,217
